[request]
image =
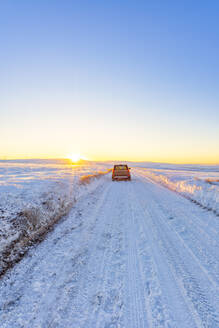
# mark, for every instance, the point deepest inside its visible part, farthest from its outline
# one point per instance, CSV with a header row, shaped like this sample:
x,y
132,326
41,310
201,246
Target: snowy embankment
x,y
201,185
33,196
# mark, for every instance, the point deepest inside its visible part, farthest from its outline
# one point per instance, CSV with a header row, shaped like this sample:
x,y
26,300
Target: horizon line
x,y
111,160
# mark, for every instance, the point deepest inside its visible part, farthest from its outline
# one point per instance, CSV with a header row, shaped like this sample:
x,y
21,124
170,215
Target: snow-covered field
x,y
33,195
127,254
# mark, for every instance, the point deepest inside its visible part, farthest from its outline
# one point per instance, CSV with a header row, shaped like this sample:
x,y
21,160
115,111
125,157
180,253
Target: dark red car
x,y
121,172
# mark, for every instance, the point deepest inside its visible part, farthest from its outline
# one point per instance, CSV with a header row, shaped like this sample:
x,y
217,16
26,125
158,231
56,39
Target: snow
x,y
128,254
200,183
34,194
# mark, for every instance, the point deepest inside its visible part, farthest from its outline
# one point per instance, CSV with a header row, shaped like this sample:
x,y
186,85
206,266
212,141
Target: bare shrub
x,y
32,216
86,179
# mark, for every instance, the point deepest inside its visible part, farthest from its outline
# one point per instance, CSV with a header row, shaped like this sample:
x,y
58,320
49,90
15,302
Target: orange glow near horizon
x,y
76,158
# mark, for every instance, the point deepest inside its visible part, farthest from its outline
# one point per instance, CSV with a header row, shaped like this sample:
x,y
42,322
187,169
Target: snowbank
x,y
199,186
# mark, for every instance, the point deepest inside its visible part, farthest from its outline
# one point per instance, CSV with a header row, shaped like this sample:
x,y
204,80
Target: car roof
x,y
120,165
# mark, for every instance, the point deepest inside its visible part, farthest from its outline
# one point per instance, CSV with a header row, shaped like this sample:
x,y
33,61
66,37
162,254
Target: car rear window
x,y
120,167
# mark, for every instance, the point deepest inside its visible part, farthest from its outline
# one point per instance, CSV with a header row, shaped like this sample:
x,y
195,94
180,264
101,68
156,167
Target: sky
x,y
110,80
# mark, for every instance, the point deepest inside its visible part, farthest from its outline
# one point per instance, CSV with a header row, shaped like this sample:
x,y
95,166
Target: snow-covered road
x,y
129,254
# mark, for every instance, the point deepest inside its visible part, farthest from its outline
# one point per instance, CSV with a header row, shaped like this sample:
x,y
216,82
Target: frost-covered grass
x,y
199,184
35,194
86,179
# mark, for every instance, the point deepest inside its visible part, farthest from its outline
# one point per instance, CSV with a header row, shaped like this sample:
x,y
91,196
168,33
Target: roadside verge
x,y
30,225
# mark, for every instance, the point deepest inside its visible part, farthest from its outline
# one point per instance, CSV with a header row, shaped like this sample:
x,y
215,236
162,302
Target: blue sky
x,y
84,76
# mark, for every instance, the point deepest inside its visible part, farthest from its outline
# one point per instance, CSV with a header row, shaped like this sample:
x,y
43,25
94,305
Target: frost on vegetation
x,y
28,221
28,210
86,179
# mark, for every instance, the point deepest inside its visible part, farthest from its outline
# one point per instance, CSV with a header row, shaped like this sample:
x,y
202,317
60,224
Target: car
x,y
121,172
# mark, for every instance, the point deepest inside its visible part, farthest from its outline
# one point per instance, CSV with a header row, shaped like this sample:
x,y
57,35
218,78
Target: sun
x,y
75,157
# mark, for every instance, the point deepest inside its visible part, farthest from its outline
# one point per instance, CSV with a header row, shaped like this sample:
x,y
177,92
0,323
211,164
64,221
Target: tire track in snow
x,y
92,298
106,296
203,246
164,301
70,287
195,284
204,250
136,312
211,227
52,268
